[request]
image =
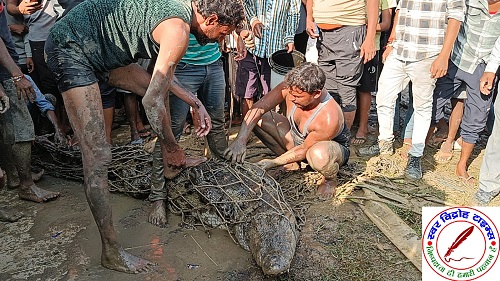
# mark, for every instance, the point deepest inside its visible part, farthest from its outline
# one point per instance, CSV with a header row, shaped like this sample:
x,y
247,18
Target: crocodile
x,y
247,202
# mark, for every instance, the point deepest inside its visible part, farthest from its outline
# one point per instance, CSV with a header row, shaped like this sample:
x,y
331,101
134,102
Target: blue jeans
x,y
208,83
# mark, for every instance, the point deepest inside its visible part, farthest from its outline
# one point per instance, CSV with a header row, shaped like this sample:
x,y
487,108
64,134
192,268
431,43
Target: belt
x,y
330,30
330,27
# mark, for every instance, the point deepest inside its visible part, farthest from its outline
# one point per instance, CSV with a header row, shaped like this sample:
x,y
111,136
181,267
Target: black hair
x,y
308,77
229,12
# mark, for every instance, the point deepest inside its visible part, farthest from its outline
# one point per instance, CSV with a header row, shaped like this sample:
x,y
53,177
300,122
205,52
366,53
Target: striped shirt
x,y
494,59
476,37
422,25
280,19
197,54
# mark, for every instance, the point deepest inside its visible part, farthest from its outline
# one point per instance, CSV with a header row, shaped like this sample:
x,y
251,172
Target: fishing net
x,y
213,194
129,171
229,194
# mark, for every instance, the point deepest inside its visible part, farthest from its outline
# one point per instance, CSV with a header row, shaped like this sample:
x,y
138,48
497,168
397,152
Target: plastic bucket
x,y
281,62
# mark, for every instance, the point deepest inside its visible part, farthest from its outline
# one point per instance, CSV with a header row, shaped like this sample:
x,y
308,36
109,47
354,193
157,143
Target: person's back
x,y
121,29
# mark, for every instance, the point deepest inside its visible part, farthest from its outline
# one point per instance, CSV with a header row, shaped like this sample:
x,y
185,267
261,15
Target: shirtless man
x,y
313,128
103,38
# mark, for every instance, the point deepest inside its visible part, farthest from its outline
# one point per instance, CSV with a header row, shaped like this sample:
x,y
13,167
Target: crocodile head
x,y
272,240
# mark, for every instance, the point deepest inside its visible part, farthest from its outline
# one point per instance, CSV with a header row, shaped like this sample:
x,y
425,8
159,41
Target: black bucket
x,y
281,62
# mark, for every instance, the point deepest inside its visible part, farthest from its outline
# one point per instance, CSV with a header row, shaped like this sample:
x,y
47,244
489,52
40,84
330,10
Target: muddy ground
x,y
59,240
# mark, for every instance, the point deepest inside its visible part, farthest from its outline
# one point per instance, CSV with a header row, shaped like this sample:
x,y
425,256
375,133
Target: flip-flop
x,y
358,140
469,181
138,141
457,146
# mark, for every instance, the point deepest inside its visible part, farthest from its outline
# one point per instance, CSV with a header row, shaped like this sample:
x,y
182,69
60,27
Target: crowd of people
x,y
72,62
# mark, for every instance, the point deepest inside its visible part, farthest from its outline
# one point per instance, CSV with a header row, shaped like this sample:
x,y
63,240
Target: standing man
x,y
346,40
475,41
489,175
273,23
418,50
101,38
313,128
199,71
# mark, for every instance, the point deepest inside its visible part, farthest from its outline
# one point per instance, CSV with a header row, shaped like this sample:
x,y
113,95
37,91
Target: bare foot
x,y
36,194
9,216
36,177
121,260
445,153
191,161
326,190
158,213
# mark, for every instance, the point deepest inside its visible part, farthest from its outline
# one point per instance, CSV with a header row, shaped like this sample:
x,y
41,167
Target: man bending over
x,y
102,38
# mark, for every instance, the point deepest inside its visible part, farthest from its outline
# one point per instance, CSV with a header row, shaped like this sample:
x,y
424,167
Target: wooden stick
x,y
398,232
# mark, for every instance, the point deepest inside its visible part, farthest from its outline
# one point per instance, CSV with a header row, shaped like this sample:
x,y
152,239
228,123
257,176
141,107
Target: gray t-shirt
x,y
42,21
115,33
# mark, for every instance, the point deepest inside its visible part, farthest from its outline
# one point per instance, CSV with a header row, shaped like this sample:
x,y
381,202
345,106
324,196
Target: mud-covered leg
x,y
86,116
158,196
326,157
21,155
7,162
273,130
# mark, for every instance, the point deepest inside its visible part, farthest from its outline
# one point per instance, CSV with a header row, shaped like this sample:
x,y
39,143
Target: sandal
x,y
435,141
469,181
358,140
138,141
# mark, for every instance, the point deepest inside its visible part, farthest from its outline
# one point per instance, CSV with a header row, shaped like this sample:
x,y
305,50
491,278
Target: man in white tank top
x,y
314,131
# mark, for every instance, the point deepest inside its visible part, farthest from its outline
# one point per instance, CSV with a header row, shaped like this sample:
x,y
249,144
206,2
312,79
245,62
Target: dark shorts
x,y
108,95
248,81
368,82
70,66
15,124
338,56
346,153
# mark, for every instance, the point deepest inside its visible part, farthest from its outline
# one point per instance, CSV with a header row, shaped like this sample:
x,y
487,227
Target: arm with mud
x,y
156,98
236,151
